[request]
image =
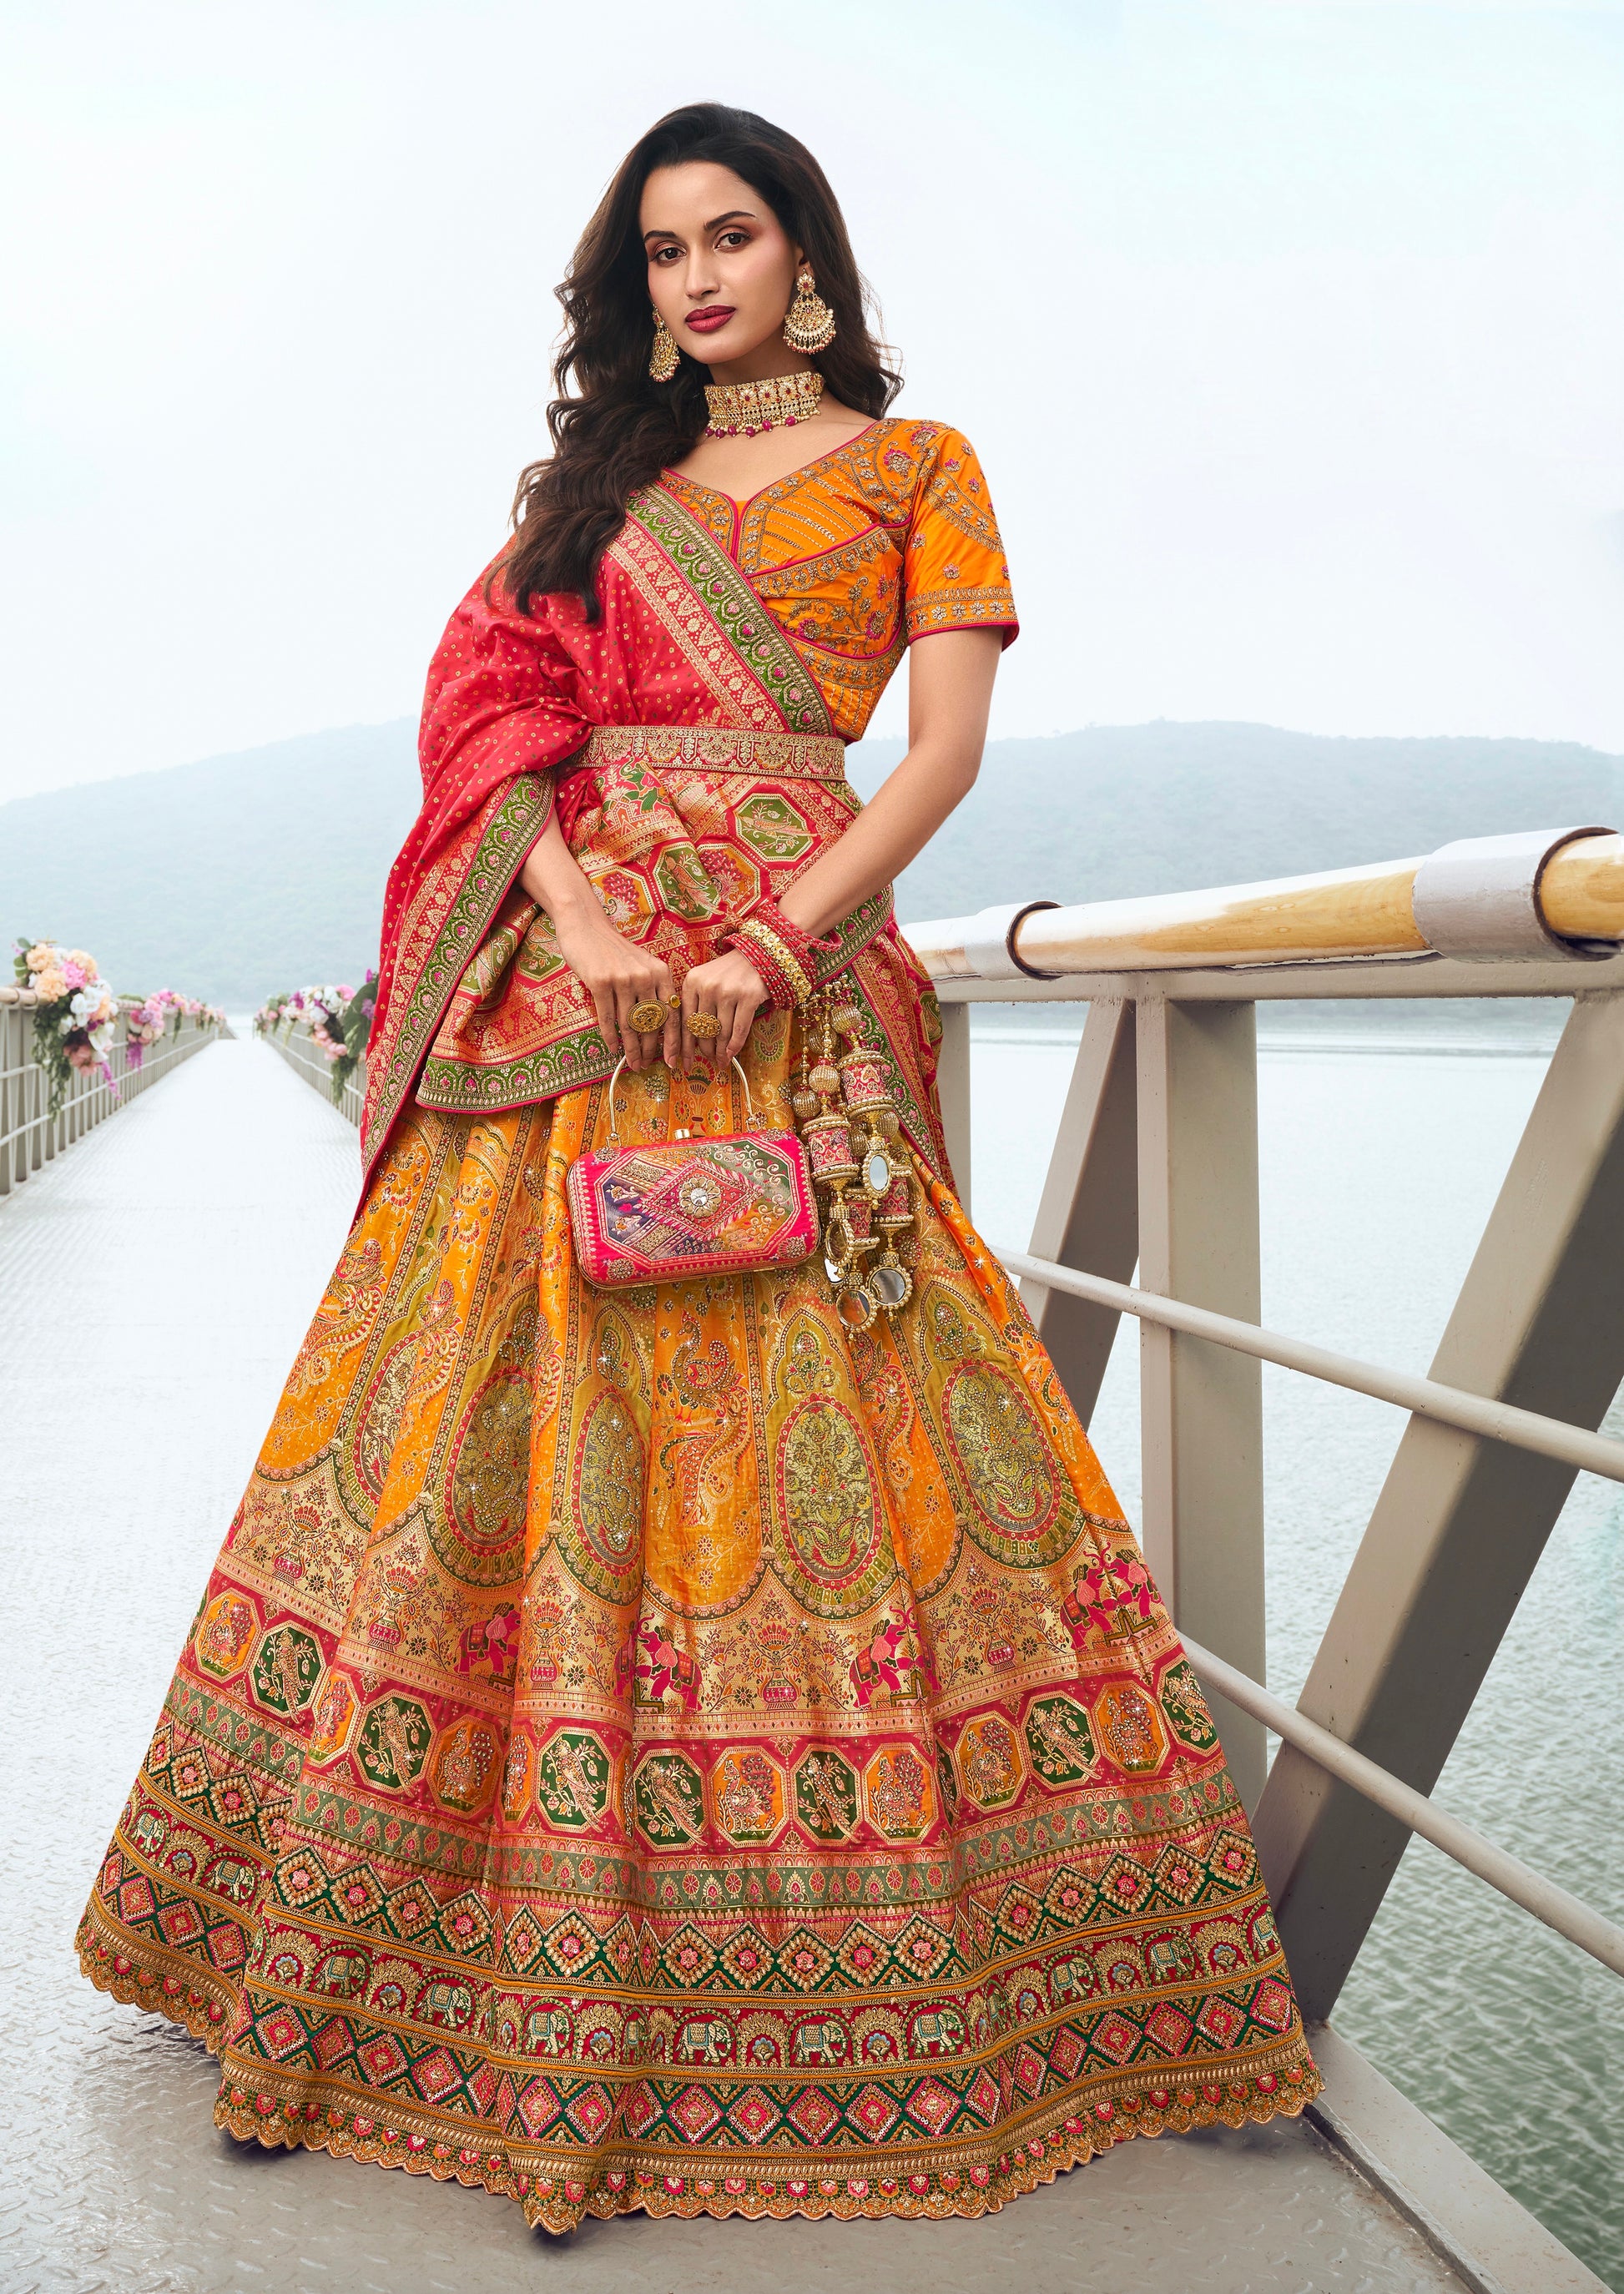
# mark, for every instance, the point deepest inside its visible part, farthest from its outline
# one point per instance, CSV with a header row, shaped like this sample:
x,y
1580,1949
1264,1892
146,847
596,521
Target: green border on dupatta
x,y
726,596
569,1061
566,1063
512,828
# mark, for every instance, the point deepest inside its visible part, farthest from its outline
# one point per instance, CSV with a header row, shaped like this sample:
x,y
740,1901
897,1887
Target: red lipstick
x,y
706,321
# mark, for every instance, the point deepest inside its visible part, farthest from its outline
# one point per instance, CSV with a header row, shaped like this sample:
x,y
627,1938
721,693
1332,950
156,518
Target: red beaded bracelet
x,y
781,951
787,988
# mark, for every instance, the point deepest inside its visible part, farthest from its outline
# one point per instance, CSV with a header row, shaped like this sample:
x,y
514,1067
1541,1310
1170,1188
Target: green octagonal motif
x,y
684,885
1061,1740
286,1667
771,826
825,1795
669,1796
572,1780
395,1740
1186,1707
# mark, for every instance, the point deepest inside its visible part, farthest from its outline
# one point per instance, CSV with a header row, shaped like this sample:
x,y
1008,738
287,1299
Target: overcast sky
x,y
1291,335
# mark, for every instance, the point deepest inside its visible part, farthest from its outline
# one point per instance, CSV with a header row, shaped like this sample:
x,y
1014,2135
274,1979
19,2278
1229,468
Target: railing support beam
x,y
1514,1880
1500,1421
1089,1214
1460,1522
952,1093
1201,1405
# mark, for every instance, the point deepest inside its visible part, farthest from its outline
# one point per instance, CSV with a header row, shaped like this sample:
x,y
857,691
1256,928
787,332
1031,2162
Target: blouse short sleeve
x,y
954,573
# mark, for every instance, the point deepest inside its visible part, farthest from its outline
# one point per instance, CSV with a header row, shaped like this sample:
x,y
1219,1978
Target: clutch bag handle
x,y
749,1104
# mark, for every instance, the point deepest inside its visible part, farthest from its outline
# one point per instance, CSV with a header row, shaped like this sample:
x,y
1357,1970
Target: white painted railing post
x,y
1088,1217
1201,1405
953,1089
30,1135
293,1041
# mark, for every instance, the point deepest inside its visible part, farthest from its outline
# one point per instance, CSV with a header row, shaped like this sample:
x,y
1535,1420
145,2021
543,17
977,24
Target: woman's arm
x,y
950,691
616,974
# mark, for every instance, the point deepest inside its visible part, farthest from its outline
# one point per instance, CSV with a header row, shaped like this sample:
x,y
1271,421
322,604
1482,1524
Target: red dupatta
x,y
511,697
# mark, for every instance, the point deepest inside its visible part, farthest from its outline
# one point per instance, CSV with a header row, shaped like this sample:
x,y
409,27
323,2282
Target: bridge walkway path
x,y
156,1281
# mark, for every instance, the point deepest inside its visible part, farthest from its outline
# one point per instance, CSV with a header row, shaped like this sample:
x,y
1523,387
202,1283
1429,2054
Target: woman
x,y
712,1746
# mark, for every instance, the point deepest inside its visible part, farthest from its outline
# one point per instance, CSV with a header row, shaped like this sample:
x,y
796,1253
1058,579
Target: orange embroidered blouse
x,y
889,537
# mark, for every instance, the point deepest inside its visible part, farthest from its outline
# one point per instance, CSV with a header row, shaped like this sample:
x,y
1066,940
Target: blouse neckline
x,y
790,477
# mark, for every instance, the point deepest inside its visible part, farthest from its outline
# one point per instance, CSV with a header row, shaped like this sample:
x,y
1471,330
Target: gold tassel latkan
x,y
866,1184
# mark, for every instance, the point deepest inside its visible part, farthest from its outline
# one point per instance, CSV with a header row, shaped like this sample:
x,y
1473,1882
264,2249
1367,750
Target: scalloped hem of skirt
x,y
205,2008
559,2205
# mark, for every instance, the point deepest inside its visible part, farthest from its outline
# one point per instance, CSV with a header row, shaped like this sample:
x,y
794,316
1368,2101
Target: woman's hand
x,y
615,973
619,976
730,987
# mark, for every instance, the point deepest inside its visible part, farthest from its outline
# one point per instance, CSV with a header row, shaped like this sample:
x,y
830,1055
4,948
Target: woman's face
x,y
721,273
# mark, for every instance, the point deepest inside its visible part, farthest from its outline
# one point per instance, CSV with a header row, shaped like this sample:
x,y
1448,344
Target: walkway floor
x,y
156,1282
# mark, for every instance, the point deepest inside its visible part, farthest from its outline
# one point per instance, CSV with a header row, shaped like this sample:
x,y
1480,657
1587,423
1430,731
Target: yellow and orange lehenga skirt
x,y
663,1751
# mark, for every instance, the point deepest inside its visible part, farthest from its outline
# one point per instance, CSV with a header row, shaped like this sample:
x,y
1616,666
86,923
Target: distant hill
x,y
245,873
1120,810
228,879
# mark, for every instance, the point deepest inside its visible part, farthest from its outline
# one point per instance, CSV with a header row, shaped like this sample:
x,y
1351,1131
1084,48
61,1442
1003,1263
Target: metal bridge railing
x,y
1155,1169
1526,1429
296,1043
30,1135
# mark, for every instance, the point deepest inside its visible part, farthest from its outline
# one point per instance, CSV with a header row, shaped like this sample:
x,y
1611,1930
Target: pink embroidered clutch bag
x,y
694,1204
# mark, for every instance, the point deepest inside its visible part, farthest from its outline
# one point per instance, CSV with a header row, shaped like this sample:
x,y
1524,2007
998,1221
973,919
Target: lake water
x,y
1385,1132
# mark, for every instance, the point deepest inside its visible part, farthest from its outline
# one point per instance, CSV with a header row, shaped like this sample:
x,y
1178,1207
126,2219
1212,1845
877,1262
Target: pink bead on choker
x,y
739,409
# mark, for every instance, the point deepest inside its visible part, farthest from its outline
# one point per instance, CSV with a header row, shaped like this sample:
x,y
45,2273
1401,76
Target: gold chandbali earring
x,y
663,361
809,323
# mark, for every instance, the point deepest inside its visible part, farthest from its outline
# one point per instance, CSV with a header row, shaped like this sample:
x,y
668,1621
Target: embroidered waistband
x,y
719,749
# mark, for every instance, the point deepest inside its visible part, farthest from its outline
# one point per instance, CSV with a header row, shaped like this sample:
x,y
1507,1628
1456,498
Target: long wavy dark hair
x,y
619,429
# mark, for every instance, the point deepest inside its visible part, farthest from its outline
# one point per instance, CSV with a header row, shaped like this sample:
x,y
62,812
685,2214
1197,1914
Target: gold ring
x,y
647,1019
704,1025
673,1003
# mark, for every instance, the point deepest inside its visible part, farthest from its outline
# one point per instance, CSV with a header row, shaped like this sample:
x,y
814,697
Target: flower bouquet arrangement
x,y
339,1019
74,1017
146,1023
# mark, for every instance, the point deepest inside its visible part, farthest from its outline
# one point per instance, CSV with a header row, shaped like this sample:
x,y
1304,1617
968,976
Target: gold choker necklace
x,y
738,410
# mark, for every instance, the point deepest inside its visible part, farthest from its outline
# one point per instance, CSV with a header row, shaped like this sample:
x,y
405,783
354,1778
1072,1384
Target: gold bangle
x,y
704,1025
782,954
647,1019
